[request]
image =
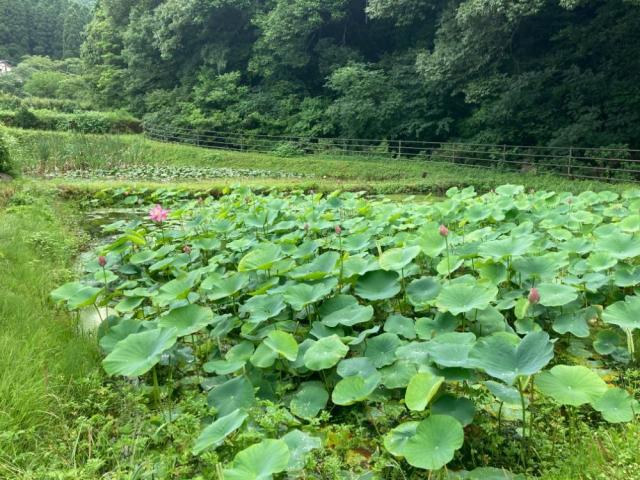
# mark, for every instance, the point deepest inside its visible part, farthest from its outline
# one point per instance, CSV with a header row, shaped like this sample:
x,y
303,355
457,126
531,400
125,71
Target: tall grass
x,y
40,352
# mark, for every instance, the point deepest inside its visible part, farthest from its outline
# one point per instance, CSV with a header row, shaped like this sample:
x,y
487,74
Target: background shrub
x,y
6,146
83,121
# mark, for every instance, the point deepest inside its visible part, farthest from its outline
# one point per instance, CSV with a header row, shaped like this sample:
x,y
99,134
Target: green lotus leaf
x,y
128,304
625,314
542,267
224,367
422,292
401,326
119,332
263,357
462,409
599,261
556,295
263,307
574,323
396,439
300,444
421,390
378,285
607,341
355,388
505,356
261,258
619,245
139,352
381,349
617,406
350,315
309,400
260,461
187,320
84,297
218,288
282,343
433,444
463,297
213,435
571,385
302,294
627,276
325,353
321,267
356,243
398,375
397,259
430,241
451,349
177,289
503,392
508,247
234,394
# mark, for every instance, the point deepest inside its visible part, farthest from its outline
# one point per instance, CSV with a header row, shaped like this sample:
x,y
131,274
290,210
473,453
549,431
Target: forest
x,y
542,72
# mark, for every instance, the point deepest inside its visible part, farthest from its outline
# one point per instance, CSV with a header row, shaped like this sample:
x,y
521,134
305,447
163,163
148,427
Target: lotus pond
x,y
412,325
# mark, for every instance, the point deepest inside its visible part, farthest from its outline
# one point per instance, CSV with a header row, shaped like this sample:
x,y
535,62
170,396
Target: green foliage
x,y
35,27
474,70
84,122
7,145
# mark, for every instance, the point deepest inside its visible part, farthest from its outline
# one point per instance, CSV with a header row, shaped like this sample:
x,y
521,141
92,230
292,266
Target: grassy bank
x,y
41,356
54,151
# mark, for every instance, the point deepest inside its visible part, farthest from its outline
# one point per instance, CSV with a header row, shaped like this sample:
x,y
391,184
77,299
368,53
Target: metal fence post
x,y
570,161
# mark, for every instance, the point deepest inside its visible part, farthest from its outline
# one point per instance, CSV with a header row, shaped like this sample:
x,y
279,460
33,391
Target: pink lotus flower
x,y
102,261
444,231
338,229
534,296
158,214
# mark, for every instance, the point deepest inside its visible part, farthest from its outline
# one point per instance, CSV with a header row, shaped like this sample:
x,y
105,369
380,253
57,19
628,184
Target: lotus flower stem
x,y
523,450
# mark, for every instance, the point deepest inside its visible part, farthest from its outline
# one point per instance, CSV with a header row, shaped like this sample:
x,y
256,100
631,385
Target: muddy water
x,y
94,224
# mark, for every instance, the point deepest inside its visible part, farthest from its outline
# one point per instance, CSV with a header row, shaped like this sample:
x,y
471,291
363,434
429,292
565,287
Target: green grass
x,y
40,353
46,151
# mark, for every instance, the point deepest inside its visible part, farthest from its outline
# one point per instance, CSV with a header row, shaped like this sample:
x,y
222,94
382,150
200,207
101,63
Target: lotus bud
x,y
534,296
102,261
306,227
187,249
444,231
338,229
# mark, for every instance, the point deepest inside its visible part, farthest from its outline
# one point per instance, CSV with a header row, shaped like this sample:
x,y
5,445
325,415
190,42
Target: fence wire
x,y
608,164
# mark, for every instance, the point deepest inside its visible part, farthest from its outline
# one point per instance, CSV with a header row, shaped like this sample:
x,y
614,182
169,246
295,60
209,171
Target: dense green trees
x,y
544,72
42,27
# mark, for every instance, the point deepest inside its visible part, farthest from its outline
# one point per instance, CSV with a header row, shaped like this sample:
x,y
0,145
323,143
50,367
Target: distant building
x,y
5,67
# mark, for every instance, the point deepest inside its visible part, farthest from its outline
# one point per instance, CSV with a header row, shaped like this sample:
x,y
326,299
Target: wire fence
x,y
605,163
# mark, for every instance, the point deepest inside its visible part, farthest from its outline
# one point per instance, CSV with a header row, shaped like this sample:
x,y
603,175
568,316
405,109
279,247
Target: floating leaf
x,y
556,295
